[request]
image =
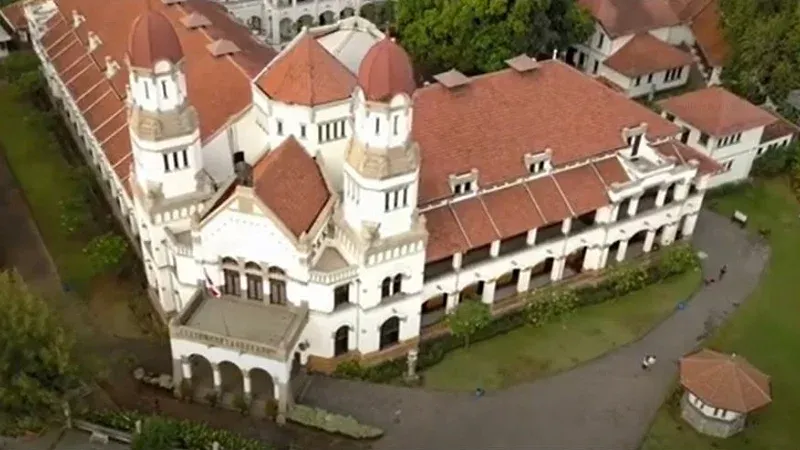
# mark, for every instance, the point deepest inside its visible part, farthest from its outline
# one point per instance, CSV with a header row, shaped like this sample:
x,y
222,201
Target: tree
x,y
764,41
475,36
156,434
469,317
38,364
106,252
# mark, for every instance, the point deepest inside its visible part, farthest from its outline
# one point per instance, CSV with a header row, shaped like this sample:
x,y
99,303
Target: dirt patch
x,y
123,309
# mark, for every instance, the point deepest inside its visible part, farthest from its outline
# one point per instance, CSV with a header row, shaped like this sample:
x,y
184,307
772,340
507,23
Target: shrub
x,y
188,435
778,161
241,404
106,251
156,434
468,318
332,423
549,305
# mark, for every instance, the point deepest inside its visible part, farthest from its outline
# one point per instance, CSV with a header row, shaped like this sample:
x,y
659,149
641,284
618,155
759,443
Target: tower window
x,y
164,88
377,126
146,90
279,127
395,199
166,162
395,122
536,167
185,155
302,131
331,131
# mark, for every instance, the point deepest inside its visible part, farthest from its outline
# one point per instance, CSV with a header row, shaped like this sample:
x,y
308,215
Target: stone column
x,y
661,197
623,247
283,394
530,239
524,280
603,258
488,291
593,258
668,237
633,206
246,386
689,222
558,269
217,377
494,249
451,301
648,241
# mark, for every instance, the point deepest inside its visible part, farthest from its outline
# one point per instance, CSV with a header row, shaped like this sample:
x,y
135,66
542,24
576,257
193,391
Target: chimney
x,y
244,173
77,19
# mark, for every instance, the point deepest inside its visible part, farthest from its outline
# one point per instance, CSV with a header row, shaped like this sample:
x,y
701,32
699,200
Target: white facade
x,y
355,280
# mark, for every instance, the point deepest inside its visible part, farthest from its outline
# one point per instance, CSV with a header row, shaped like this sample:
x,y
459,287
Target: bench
x,y
740,218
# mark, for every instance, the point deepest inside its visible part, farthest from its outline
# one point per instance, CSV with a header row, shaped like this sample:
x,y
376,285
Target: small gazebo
x,y
720,391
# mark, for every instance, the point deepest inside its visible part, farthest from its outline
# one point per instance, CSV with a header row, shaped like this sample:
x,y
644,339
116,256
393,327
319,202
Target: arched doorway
x,y
202,376
574,262
341,341
262,387
347,12
232,383
636,244
327,18
306,20
369,11
286,29
433,311
390,332
255,23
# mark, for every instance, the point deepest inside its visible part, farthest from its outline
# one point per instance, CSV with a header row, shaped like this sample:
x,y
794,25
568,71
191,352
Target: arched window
x,y
277,286
386,287
230,275
255,282
390,332
397,284
341,341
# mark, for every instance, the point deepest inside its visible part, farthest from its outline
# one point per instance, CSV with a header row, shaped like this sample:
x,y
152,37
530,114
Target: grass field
x,y
529,353
766,330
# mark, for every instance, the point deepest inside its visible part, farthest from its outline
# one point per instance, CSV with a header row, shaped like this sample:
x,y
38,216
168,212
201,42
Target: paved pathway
x,y
607,403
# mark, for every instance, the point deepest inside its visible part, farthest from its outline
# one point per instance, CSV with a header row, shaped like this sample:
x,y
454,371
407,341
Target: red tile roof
x,y
516,209
219,87
725,381
683,154
290,182
645,54
583,189
493,121
624,17
716,111
306,74
778,129
386,71
152,39
14,15
707,29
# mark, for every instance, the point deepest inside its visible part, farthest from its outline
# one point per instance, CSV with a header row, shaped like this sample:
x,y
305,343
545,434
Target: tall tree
x,y
476,36
764,40
37,357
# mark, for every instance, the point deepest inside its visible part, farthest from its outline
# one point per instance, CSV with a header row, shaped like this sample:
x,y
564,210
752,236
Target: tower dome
x,y
153,38
386,71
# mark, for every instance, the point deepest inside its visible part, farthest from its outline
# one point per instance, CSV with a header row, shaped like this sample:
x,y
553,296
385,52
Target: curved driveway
x,y
607,403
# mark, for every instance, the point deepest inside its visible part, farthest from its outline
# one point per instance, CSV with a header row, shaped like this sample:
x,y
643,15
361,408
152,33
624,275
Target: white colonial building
x,y
643,47
340,209
728,129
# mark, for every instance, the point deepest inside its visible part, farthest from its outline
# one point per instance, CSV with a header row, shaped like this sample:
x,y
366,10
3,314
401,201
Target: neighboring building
x,y
644,47
727,128
335,209
14,22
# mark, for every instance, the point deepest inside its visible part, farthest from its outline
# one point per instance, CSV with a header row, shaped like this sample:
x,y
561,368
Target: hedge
x,y
541,306
188,435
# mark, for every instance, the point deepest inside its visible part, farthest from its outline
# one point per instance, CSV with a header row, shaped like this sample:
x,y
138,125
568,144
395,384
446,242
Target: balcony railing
x,y
335,277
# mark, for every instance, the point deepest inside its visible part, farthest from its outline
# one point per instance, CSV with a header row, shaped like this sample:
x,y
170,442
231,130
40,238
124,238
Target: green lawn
x,y
766,330
529,353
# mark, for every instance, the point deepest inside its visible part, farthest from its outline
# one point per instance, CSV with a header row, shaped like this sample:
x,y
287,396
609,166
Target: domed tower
x,y
382,164
165,134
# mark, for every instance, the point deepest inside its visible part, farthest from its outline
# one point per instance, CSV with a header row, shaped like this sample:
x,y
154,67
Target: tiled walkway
x,y
607,403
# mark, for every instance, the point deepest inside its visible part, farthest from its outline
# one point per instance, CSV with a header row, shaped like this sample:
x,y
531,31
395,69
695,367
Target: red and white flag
x,y
211,287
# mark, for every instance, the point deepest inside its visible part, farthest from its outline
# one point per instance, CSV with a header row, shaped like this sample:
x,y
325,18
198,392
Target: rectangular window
x,y
166,162
728,164
670,117
331,131
302,131
601,41
175,160
146,90
386,201
377,126
596,67
405,197
703,140
649,78
395,121
164,88
279,127
637,81
185,155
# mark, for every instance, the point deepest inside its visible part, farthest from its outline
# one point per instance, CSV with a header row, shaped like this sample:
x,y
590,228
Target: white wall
x,y
647,83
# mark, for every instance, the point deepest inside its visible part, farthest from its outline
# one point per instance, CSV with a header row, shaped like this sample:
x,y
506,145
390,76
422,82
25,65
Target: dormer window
x,y
464,183
538,162
94,41
633,136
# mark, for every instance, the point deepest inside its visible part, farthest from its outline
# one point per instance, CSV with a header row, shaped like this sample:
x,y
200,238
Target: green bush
x,y
156,434
187,435
778,161
332,423
540,307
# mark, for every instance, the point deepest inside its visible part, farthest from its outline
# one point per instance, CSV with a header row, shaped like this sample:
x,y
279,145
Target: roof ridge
x,y
533,199
563,196
491,220
460,226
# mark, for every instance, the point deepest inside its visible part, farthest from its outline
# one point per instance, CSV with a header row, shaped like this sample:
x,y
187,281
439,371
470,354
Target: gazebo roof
x,y
725,381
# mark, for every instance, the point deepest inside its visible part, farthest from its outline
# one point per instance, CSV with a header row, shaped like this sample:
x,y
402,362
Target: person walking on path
x,y
722,271
648,362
